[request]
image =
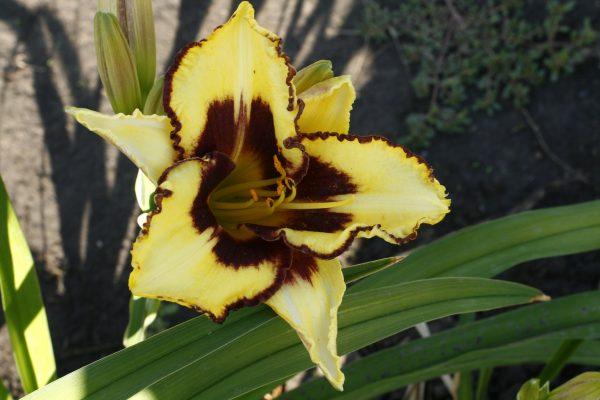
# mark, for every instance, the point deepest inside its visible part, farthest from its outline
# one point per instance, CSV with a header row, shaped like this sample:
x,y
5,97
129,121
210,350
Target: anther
x,y
278,166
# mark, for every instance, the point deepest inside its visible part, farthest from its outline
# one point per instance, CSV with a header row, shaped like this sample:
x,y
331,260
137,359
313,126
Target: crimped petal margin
x,y
309,300
389,192
233,93
327,106
144,139
183,256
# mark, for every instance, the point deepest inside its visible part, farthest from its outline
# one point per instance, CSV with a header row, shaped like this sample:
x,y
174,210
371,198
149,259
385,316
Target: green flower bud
x,y
583,387
116,65
154,101
137,23
533,390
312,74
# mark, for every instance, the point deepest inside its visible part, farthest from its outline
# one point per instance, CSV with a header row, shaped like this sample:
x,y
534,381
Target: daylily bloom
x,y
256,196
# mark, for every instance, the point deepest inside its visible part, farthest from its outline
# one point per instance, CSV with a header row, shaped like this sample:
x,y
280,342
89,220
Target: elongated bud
x,y
137,23
154,101
116,65
312,74
583,387
533,390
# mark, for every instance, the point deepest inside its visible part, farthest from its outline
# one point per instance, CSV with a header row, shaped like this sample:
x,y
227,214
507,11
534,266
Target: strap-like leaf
x,y
529,334
254,349
142,312
22,303
487,249
199,358
359,271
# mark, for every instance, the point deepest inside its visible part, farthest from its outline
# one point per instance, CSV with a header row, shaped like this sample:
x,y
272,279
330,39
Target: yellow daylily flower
x,y
253,200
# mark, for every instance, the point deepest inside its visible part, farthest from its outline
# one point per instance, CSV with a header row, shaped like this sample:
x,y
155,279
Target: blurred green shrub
x,y
477,56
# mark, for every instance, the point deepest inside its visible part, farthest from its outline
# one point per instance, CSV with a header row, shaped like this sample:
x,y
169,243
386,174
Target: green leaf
x,y
254,347
485,375
559,359
142,313
490,248
514,337
359,271
22,303
465,386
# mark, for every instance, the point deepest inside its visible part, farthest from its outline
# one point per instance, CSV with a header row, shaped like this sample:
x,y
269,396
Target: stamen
x,y
231,204
316,205
226,205
279,167
289,183
247,215
292,196
267,193
218,194
279,200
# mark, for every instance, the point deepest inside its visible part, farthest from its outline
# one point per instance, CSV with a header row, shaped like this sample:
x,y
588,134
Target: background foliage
x,y
471,56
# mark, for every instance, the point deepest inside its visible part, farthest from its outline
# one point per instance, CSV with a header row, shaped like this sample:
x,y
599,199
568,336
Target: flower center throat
x,y
252,201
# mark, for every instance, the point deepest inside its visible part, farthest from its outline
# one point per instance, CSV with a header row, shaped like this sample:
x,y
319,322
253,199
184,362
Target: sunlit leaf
x,y
22,303
583,387
142,312
529,334
487,249
200,358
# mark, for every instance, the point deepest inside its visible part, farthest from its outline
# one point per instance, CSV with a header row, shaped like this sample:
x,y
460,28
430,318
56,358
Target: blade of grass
x,y
22,303
198,355
487,249
505,339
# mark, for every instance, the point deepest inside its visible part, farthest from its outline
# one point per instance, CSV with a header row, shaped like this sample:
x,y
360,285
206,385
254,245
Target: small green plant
x,y
477,56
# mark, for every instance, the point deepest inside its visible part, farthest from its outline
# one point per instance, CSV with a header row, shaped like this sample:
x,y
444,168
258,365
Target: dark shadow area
x,y
91,311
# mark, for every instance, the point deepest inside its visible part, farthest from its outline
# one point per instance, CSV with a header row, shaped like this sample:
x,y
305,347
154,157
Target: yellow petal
x,y
232,93
309,300
327,106
183,256
374,187
144,139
